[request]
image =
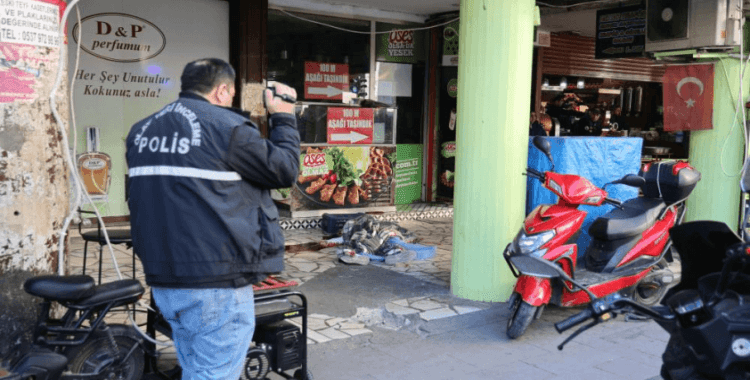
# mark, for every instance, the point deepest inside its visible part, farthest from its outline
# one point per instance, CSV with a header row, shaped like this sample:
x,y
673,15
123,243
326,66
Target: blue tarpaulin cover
x,y
598,159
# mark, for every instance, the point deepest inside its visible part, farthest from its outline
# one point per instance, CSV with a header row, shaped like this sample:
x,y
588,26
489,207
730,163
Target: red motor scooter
x,y
630,245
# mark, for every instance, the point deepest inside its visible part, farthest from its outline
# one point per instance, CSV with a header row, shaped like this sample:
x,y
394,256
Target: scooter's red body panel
x,y
538,291
574,190
653,240
564,219
600,290
534,290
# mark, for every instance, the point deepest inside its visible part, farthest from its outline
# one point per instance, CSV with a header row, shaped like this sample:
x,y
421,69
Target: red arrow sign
x,y
325,80
350,125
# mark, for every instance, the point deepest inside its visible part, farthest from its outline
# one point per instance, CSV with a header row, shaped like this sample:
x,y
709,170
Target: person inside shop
x,y
555,106
562,108
536,128
617,118
201,214
541,124
590,124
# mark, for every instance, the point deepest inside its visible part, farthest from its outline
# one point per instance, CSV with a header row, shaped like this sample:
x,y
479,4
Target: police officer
x,y
202,218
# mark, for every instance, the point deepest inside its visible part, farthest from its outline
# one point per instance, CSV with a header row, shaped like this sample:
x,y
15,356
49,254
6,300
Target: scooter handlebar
x,y
535,173
574,320
614,202
613,303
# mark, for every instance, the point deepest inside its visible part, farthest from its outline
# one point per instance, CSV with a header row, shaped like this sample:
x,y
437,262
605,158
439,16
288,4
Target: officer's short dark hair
x,y
204,75
596,111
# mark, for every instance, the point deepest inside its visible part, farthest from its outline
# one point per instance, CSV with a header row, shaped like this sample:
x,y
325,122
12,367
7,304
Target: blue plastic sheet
x,y
598,159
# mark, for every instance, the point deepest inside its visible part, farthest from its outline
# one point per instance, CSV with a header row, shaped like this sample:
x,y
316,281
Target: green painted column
x,y
718,153
494,92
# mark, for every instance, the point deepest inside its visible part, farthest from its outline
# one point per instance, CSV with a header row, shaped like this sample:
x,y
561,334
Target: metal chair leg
x,y
133,305
85,253
101,252
132,254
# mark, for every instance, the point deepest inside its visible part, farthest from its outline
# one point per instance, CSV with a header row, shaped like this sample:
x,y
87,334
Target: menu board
x,y
620,32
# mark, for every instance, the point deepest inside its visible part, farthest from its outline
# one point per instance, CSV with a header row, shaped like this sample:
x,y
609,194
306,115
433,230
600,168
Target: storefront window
x,y
356,120
293,41
400,76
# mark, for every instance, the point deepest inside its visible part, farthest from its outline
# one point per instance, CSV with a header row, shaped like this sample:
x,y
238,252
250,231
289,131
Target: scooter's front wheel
x,y
520,318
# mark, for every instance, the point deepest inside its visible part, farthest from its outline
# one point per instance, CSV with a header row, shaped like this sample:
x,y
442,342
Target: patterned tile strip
x,y
414,211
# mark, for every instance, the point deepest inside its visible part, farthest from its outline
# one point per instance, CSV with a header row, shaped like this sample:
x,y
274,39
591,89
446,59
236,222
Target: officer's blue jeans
x,y
211,329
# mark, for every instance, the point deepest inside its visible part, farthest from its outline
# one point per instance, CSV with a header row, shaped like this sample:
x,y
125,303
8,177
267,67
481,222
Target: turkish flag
x,y
688,97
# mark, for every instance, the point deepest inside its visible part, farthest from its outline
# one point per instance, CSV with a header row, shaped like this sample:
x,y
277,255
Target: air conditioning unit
x,y
692,24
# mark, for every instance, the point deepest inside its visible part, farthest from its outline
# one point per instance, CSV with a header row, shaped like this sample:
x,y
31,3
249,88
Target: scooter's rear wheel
x,y
651,289
97,354
520,318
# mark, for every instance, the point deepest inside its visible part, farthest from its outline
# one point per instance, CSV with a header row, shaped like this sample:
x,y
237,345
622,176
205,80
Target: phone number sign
x,y
30,22
326,80
350,125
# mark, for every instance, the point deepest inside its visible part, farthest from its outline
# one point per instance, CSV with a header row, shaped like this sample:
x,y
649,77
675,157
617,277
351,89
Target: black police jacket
x,y
200,176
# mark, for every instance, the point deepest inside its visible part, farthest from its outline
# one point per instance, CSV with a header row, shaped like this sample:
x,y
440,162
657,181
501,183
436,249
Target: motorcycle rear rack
x,y
273,283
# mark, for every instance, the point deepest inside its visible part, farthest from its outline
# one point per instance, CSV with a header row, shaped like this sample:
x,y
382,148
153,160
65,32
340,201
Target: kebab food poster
x,y
344,177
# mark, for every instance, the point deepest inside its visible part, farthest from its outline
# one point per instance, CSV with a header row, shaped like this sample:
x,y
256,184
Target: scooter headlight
x,y
529,244
554,186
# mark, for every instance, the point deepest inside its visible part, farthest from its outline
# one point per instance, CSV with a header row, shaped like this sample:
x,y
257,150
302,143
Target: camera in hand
x,y
284,97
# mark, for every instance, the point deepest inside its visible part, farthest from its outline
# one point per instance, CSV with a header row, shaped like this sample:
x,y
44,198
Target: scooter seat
x,y
112,292
59,288
635,216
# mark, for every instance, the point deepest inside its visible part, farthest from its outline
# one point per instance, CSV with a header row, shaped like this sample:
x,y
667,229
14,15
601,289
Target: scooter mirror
x,y
632,180
543,145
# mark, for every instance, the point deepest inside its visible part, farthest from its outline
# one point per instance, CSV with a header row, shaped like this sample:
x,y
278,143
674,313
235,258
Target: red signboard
x,y
326,80
688,97
350,125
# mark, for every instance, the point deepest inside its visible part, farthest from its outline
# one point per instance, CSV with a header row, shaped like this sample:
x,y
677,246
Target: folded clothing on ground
x,y
381,241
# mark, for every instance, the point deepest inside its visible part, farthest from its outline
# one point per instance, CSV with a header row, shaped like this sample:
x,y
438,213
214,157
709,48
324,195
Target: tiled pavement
x,y
304,260
303,265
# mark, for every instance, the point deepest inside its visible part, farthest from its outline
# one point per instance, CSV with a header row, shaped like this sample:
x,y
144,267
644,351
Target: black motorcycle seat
x,y
635,216
60,288
112,291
